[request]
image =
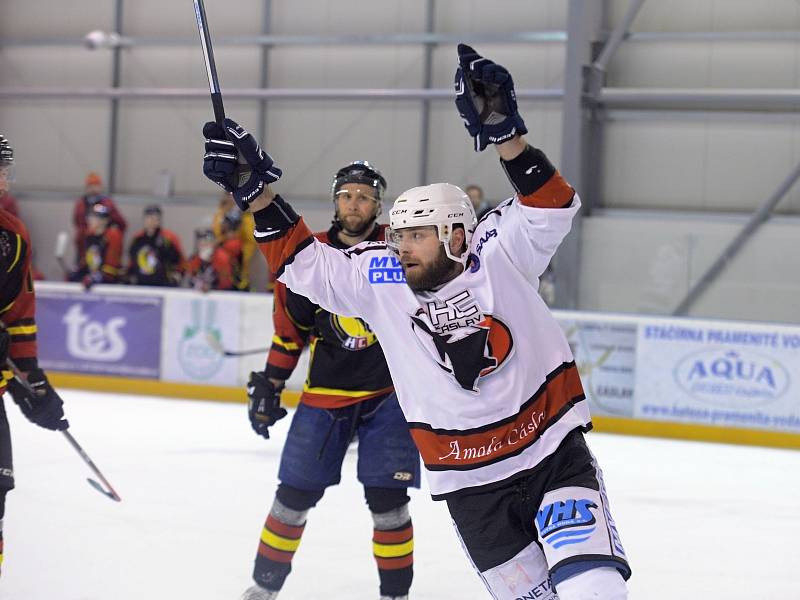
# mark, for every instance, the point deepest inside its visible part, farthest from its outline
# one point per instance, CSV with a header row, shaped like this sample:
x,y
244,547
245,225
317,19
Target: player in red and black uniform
x,y
210,267
18,342
102,257
348,390
93,194
155,255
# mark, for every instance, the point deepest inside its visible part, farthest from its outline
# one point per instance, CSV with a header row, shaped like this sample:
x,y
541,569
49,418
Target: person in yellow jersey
x,y
244,233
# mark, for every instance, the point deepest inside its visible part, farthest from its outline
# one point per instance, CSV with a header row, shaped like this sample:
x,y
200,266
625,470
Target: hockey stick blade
x,y
217,346
112,494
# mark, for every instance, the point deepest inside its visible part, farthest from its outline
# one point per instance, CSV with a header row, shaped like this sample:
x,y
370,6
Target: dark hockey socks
x,y
279,541
393,547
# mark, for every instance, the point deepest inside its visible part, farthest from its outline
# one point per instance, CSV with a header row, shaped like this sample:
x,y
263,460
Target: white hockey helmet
x,y
442,205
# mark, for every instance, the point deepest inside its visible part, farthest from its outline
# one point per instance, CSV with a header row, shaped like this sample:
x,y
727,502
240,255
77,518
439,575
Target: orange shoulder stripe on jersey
x,y
555,193
281,251
470,449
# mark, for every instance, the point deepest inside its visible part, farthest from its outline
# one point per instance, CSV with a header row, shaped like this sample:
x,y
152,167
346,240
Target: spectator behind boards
x,y
155,255
93,194
243,231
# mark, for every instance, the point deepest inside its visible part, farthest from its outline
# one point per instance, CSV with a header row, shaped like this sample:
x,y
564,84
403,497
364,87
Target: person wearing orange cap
x,y
93,194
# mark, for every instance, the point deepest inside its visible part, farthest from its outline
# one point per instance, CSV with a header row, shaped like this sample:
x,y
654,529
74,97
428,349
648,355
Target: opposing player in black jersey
x,y
348,392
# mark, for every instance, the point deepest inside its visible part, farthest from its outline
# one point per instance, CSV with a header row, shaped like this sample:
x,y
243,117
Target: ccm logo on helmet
x,y
455,215
399,211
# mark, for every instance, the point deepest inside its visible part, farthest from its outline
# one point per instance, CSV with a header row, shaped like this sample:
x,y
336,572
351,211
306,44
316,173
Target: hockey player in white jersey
x,y
483,373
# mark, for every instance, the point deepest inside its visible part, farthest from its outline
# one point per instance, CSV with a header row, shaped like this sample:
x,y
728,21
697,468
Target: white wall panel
x,y
51,66
345,67
347,17
156,135
454,16
56,145
696,165
311,140
705,64
20,19
157,18
237,67
646,265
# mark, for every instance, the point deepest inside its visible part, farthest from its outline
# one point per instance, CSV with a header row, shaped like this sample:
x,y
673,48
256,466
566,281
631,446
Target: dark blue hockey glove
x,y
264,407
486,100
44,406
235,162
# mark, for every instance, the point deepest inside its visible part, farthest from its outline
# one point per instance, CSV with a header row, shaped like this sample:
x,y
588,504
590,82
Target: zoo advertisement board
x,y
189,355
105,334
718,373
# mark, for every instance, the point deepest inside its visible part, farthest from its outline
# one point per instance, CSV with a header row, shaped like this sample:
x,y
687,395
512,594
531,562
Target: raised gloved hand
x,y
486,100
43,406
235,162
264,407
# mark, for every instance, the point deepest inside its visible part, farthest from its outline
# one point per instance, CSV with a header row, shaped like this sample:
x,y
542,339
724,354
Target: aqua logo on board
x,y
732,378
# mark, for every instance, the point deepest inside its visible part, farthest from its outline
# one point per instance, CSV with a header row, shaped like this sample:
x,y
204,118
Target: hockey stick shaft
x,y
211,66
218,347
110,492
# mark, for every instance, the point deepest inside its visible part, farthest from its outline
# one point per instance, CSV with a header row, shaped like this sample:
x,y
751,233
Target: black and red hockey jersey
x,y
17,300
347,363
155,259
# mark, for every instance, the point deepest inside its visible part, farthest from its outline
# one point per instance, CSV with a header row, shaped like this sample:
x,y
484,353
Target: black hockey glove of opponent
x,y
486,100
235,162
264,407
44,406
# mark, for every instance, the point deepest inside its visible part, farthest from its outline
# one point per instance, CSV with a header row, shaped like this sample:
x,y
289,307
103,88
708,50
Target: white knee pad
x,y
602,583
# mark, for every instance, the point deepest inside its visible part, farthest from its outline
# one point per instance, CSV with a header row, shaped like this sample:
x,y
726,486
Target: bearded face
x,y
356,208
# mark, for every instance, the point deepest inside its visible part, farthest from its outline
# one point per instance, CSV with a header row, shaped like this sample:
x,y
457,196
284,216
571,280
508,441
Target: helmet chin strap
x,y
444,236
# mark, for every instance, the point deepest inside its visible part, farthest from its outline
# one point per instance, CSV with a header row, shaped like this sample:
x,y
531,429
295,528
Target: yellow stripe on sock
x,y
392,550
279,542
22,330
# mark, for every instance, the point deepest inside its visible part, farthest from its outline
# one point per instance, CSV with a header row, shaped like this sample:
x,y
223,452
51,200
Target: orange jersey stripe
x,y
556,193
487,444
282,250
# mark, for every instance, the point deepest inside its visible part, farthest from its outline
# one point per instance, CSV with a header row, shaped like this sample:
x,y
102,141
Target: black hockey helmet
x,y
152,209
360,171
6,151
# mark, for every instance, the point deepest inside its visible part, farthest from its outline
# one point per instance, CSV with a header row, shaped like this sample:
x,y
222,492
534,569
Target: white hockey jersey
x,y
482,370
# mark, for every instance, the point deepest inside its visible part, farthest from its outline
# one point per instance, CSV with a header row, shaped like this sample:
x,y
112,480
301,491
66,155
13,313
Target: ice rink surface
x,y
698,521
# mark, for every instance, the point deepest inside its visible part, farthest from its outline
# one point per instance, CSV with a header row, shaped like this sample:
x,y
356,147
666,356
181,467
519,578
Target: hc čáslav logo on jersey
x,y
464,341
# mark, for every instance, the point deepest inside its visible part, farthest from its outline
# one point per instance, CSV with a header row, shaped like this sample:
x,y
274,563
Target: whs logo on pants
x,y
566,522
